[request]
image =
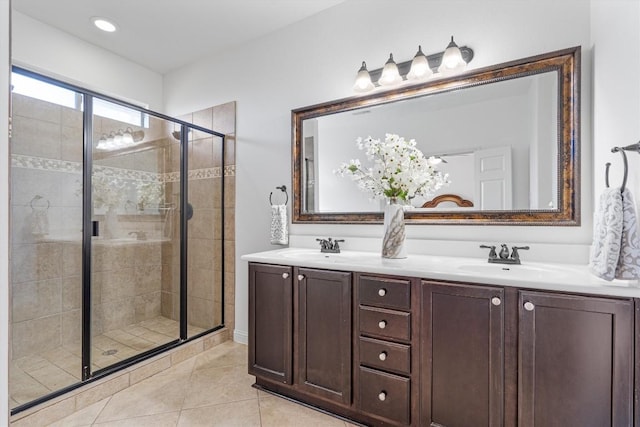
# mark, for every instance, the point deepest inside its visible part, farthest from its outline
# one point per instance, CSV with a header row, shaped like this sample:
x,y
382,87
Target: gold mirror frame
x,y
566,63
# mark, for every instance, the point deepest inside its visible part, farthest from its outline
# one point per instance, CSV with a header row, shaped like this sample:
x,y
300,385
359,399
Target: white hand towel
x,y
279,225
615,252
628,267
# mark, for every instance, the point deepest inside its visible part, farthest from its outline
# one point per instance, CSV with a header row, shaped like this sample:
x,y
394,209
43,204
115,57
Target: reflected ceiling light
x,y
363,80
104,24
419,67
453,60
390,74
119,139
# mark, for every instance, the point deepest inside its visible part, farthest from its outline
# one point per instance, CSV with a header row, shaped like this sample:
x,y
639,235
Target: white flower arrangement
x,y
108,191
400,170
150,193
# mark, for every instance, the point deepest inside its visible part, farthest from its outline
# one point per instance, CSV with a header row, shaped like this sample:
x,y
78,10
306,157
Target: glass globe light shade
x,y
452,61
363,80
420,68
390,74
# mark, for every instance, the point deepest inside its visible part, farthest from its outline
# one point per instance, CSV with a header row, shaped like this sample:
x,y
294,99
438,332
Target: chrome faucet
x,y
330,245
503,256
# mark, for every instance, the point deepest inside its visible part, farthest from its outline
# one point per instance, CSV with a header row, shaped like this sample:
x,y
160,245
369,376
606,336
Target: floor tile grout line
x,y
100,411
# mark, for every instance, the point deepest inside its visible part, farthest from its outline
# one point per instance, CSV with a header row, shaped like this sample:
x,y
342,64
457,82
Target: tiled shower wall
x,y
205,255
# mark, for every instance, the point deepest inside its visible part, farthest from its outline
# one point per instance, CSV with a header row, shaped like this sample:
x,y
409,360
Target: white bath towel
x,y
279,225
615,251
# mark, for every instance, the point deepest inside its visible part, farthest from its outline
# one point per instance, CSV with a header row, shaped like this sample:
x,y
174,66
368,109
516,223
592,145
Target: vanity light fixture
x,y
104,24
452,60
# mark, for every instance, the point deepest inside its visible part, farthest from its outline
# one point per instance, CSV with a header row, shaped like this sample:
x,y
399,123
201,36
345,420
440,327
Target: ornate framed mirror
x,y
508,136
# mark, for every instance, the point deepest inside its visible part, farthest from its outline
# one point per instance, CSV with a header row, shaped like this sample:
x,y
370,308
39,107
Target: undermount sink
x,y
316,255
516,271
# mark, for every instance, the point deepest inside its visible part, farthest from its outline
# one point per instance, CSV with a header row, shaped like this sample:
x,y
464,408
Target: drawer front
x,y
381,292
385,395
385,355
385,323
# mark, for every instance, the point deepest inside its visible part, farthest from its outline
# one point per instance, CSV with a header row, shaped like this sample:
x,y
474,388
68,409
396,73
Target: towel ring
x,y
35,199
282,188
626,168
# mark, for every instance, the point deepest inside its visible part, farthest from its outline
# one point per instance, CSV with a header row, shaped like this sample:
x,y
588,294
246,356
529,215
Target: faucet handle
x,y
492,251
515,249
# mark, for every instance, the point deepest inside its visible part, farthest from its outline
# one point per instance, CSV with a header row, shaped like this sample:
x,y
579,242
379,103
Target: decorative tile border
x,y
30,162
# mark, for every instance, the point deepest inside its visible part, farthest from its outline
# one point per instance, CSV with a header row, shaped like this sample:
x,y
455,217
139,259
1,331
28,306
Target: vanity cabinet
x,y
387,350
575,361
271,322
324,334
463,330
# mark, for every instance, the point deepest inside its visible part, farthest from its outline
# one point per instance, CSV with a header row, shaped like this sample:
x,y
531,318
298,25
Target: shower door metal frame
x,y
87,375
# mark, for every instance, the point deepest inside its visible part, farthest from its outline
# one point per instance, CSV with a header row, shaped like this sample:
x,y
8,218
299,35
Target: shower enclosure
x,y
116,235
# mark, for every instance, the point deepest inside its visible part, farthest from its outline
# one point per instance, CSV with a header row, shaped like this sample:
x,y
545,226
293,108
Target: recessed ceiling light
x,y
104,24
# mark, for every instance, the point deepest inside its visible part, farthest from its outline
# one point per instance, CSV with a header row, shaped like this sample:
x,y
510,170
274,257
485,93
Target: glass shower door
x,y
135,248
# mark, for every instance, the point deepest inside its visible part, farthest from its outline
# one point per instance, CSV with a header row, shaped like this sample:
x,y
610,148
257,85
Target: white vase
x,y
111,224
394,235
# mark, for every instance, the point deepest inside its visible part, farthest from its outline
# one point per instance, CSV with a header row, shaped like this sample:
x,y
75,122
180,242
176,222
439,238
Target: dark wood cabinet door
x,y
324,334
462,355
270,322
575,361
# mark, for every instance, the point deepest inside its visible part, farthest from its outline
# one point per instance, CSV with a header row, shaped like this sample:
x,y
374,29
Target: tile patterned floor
x,y
211,389
37,375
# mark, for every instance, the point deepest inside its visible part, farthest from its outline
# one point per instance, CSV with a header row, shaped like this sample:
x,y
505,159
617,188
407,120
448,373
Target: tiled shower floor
x,y
37,375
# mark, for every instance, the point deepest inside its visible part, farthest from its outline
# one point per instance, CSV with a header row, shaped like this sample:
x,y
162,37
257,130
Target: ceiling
x,y
164,35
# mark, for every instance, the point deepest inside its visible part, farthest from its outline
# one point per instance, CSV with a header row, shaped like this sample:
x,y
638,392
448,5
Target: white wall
x,y
45,49
316,60
615,27
5,37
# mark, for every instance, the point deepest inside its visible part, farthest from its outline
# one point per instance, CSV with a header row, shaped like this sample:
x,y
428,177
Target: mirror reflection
x,y
498,143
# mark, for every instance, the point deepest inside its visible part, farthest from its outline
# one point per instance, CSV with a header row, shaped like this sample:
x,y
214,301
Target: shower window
x,y
115,251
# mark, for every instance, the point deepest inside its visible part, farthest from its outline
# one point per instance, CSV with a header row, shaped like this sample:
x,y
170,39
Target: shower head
x,y
176,134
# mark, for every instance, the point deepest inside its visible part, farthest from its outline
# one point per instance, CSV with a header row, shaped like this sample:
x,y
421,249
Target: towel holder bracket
x,y
282,188
633,147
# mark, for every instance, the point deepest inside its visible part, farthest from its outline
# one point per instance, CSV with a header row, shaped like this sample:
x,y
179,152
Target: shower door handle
x,y
95,228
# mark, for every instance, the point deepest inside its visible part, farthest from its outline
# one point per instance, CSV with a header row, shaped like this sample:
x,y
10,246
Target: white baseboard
x,y
241,337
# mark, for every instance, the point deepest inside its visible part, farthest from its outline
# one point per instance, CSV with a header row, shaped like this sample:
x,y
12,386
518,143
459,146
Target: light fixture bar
x,y
434,62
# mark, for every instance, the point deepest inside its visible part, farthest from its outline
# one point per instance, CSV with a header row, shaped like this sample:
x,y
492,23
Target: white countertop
x,y
533,275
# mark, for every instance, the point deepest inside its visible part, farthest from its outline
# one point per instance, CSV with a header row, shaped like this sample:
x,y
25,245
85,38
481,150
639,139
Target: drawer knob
x,y
382,292
382,396
496,301
529,306
301,277
382,324
285,275
383,356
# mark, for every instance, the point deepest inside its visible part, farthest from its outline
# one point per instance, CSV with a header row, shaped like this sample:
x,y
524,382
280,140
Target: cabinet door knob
x,y
301,277
529,306
382,324
496,301
382,396
382,292
285,275
382,356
